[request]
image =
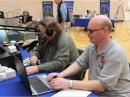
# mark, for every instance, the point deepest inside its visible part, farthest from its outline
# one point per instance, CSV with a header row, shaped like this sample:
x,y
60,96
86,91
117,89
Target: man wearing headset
x,y
56,49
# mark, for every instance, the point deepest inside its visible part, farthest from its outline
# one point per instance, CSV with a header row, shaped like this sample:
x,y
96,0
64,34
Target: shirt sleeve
x,y
63,10
112,70
60,62
84,58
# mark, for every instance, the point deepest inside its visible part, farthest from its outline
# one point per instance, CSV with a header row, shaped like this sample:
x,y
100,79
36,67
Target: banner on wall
x,y
105,7
47,7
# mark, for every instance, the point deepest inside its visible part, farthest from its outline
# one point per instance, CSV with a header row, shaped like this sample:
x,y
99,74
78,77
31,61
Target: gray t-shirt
x,y
109,66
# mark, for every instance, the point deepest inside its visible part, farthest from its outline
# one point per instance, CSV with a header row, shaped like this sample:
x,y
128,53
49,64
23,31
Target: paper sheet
x,y
72,93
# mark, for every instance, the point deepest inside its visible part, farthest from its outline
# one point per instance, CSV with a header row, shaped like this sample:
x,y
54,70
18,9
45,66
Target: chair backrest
x,y
80,51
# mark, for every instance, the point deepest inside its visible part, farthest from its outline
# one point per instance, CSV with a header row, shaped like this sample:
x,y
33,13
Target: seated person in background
x,y
56,49
109,71
25,18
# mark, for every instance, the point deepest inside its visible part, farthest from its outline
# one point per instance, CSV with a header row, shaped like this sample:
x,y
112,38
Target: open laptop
x,y
36,85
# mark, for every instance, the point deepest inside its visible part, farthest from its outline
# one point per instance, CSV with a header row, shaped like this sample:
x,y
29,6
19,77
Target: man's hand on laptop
x,y
31,69
59,83
33,60
53,75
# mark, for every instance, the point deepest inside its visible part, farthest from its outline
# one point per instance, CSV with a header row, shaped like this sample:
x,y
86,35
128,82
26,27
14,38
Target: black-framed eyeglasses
x,y
91,31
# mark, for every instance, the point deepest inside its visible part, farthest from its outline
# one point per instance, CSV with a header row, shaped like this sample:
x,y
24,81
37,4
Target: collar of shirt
x,y
104,49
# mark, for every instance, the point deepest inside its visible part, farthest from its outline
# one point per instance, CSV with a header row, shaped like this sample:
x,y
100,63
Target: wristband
x,y
70,84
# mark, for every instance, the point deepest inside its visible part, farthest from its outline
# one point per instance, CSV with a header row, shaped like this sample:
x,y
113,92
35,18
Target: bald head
x,y
102,21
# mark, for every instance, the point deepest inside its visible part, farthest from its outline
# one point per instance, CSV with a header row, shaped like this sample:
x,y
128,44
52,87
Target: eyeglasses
x,y
91,31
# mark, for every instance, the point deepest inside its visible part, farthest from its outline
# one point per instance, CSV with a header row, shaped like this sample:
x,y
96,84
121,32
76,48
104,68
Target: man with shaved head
x,y
109,72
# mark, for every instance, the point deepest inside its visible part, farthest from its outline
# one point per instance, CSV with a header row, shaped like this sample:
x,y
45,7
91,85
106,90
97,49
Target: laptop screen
x,y
22,72
38,86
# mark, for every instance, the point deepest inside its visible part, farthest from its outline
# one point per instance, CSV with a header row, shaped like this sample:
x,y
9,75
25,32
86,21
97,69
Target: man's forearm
x,y
55,65
71,70
92,85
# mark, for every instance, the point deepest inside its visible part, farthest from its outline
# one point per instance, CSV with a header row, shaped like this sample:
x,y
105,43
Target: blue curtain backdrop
x,y
47,7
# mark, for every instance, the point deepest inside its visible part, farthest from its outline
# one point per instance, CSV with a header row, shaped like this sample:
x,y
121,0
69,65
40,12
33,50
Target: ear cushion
x,y
46,23
50,31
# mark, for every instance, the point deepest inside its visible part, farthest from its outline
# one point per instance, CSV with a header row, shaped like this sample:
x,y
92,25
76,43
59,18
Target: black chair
x,y
80,51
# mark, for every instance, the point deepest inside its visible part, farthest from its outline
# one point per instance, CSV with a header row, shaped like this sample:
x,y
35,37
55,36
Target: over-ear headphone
x,y
49,30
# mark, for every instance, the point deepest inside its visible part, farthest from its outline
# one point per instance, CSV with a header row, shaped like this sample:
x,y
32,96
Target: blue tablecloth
x,y
24,53
13,87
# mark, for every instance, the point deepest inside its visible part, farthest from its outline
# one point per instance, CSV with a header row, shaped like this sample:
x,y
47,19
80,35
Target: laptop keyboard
x,y
38,85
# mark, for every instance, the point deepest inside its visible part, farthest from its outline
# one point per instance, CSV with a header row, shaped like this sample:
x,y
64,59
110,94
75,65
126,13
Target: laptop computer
x,y
37,84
